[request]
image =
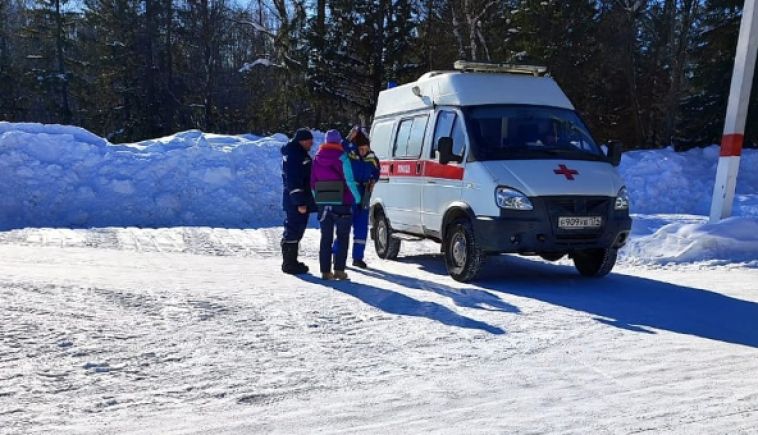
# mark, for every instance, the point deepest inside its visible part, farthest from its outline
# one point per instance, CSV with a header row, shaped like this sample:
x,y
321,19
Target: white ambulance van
x,y
492,159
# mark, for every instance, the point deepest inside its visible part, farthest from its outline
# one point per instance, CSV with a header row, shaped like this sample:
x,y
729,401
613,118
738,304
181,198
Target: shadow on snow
x,y
462,297
400,304
624,301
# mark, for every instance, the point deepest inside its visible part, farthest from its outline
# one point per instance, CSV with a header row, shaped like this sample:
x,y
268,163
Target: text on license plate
x,y
581,222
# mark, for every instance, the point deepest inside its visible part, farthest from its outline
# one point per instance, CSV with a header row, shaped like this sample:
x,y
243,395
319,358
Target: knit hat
x,y
333,136
360,139
302,134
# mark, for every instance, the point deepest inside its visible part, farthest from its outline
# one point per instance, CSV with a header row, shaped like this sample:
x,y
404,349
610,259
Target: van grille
x,y
577,206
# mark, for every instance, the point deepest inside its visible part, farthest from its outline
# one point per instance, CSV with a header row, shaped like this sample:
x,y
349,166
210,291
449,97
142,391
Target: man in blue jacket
x,y
297,198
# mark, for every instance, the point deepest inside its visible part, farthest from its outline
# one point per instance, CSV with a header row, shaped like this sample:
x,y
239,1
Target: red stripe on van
x,y
420,168
437,170
385,169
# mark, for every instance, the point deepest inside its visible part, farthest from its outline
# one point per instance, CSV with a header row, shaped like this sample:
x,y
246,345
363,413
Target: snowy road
x,y
195,330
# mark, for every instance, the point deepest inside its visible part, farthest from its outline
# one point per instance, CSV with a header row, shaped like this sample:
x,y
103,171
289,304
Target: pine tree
x,y
367,44
113,40
711,75
47,34
10,85
650,73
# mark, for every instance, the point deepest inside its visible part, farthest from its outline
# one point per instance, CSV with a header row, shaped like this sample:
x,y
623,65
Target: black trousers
x,y
294,225
331,218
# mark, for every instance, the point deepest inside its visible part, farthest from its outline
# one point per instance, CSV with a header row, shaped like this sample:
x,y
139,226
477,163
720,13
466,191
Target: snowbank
x,y
62,176
729,241
664,181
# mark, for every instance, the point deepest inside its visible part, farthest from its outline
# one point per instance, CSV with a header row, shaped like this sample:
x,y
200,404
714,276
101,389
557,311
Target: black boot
x,y
360,263
300,263
290,264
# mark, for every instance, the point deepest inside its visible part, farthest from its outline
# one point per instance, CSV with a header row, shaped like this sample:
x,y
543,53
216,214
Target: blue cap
x,y
302,134
333,136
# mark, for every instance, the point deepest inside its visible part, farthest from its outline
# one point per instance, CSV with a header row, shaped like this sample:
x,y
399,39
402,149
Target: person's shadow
x,y
624,301
462,297
400,304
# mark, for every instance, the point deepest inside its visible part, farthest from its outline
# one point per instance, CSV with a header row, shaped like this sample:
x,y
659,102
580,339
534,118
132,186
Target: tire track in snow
x,y
104,238
159,349
157,344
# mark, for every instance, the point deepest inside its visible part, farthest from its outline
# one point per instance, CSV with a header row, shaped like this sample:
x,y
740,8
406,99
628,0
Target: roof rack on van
x,y
510,68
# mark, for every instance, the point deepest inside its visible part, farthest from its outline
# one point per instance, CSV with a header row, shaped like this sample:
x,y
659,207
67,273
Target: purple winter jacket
x,y
333,164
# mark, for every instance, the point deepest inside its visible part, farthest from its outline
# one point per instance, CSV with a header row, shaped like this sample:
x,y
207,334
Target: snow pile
x,y
62,176
664,181
731,240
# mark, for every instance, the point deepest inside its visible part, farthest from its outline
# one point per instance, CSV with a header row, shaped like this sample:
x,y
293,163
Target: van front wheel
x,y
595,262
387,247
463,257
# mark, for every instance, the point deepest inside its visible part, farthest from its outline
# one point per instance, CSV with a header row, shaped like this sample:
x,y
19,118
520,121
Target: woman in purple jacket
x,y
335,191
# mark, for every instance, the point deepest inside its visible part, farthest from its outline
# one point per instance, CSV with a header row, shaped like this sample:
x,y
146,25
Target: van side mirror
x,y
615,149
445,150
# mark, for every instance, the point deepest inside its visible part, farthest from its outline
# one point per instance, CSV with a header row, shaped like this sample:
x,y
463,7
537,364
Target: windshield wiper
x,y
555,151
561,151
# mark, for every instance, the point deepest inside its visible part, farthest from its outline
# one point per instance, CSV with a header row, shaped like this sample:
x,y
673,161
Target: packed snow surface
x,y
194,330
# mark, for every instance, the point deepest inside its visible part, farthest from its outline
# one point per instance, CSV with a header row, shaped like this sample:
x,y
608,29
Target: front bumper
x,y
537,230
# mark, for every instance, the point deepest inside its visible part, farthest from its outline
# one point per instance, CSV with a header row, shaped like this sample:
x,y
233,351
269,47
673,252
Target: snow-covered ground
x,y
126,307
190,330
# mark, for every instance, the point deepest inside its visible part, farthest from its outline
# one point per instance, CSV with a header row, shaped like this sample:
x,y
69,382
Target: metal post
x,y
736,114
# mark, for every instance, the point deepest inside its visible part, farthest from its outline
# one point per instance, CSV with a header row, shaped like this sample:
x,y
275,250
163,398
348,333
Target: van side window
x,y
449,125
459,137
381,139
401,139
444,126
410,137
416,140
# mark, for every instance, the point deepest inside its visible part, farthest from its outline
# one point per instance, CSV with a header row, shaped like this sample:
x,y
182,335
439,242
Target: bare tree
x,y
469,13
61,62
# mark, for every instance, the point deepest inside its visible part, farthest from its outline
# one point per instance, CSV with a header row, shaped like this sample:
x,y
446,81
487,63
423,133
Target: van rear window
x,y
381,139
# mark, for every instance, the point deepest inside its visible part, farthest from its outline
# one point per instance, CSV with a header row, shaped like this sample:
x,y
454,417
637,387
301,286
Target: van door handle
x,y
431,182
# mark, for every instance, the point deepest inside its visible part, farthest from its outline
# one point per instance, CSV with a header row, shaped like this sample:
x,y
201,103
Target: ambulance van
x,y
490,159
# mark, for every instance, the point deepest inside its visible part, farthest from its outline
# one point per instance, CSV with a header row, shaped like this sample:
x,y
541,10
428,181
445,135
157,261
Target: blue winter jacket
x,y
296,177
365,169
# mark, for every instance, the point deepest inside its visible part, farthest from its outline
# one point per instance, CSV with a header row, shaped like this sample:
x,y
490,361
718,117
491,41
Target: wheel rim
x,y
458,250
382,235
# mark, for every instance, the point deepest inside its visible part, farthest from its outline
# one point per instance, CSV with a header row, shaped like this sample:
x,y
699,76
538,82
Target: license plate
x,y
579,222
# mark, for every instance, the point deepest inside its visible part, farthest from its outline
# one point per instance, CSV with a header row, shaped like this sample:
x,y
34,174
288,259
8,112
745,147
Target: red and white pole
x,y
736,114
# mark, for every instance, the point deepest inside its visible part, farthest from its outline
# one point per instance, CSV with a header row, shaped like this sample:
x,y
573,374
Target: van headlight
x,y
622,200
512,199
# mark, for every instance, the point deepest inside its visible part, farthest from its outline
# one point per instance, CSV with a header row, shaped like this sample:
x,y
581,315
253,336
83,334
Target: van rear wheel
x,y
595,263
386,246
463,257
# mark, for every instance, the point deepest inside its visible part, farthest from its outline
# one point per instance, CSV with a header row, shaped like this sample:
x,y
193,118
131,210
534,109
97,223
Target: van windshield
x,y
529,132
